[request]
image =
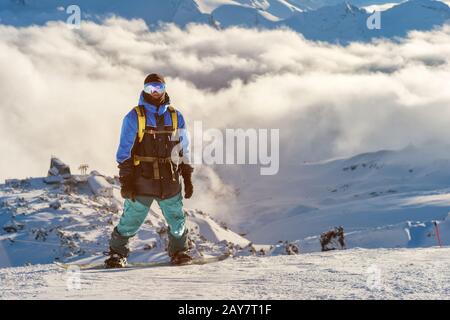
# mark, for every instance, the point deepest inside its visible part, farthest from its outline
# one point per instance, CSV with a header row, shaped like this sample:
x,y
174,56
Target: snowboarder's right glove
x,y
186,173
127,191
126,177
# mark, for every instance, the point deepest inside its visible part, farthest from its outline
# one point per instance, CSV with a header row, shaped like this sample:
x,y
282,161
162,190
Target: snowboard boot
x,y
118,250
115,260
178,248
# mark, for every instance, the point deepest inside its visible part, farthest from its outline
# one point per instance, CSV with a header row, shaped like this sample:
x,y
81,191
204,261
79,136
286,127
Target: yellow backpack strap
x,y
141,127
174,116
141,122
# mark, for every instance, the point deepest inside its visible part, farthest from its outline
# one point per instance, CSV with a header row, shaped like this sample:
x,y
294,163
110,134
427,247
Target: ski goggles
x,y
153,87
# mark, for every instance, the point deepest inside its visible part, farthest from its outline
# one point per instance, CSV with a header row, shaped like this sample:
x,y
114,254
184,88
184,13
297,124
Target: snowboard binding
x,y
115,260
180,257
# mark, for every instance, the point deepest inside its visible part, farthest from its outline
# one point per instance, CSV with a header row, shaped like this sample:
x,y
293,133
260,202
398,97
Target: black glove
x,y
127,191
126,177
188,187
186,173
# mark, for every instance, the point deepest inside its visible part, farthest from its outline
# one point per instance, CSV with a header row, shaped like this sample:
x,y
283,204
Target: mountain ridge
x,y
338,22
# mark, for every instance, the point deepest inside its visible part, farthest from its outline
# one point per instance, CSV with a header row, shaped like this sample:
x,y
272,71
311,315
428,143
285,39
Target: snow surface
x,y
350,274
383,199
380,7
43,223
387,201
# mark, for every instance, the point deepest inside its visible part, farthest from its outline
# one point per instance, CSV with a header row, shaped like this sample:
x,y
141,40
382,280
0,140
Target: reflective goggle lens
x,y
154,87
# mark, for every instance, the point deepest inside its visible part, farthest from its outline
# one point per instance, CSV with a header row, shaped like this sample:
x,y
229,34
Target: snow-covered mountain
x,y
333,21
316,4
23,12
383,199
345,22
67,217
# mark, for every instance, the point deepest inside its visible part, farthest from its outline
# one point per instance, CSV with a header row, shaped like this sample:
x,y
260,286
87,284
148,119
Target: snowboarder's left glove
x,y
188,188
186,173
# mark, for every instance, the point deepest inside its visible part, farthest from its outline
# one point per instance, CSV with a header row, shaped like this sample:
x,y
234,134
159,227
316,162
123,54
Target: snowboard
x,y
143,265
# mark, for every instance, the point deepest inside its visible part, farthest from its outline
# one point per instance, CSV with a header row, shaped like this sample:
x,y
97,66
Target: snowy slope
x,y
382,199
234,15
414,15
41,223
281,9
316,4
333,21
350,274
379,7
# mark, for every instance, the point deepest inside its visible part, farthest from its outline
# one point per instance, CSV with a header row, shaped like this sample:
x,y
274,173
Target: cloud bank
x,y
65,91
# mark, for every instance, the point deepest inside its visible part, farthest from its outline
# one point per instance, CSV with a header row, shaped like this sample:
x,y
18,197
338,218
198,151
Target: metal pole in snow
x,y
436,226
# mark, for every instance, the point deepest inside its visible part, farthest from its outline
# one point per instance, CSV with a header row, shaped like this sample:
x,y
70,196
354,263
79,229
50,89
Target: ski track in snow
x,y
404,274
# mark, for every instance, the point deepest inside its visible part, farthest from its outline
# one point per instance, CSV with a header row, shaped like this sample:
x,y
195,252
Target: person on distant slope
x,y
152,154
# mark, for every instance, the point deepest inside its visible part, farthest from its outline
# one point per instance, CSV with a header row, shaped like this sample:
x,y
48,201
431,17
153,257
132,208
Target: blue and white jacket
x,y
129,130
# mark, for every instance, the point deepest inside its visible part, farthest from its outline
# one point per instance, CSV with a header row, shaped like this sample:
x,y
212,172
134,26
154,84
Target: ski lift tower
x,y
83,168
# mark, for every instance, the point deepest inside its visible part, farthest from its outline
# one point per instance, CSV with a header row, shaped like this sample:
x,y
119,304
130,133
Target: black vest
x,y
157,176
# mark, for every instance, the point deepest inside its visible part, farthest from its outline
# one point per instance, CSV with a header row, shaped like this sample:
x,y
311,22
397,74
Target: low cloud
x,y
65,91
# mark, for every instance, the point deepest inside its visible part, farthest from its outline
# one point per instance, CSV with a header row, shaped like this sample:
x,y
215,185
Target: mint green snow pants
x,y
134,215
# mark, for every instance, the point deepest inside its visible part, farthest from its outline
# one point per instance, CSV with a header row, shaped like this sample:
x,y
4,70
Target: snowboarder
x,y
149,171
